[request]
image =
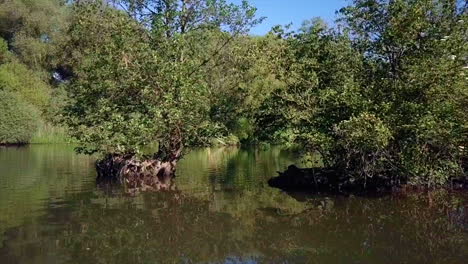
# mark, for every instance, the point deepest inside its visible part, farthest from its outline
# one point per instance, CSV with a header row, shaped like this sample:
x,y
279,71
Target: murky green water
x,y
223,212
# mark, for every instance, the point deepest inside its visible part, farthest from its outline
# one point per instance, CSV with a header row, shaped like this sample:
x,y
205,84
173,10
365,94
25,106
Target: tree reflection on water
x,y
224,213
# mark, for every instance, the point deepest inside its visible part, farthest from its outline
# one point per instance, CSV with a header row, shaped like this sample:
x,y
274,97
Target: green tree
x,y
243,83
137,81
386,96
416,51
33,28
323,88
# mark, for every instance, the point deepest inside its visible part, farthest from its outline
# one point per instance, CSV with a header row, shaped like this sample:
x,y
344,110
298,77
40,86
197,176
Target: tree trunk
x,y
136,175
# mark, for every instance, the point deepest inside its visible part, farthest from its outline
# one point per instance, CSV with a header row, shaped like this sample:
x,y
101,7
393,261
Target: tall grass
x,y
51,134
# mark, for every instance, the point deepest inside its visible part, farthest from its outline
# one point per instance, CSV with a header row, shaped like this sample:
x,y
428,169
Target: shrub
x,y
3,46
18,120
365,133
362,141
3,50
18,79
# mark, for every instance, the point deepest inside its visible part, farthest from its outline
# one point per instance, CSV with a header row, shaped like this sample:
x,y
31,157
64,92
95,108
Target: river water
x,y
222,212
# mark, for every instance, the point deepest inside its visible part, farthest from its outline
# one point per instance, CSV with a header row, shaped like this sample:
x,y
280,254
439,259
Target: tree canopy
x,y
133,85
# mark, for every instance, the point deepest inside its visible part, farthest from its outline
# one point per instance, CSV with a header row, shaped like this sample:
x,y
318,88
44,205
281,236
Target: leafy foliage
x,y
17,78
29,34
33,28
134,86
3,50
322,89
242,86
390,101
18,120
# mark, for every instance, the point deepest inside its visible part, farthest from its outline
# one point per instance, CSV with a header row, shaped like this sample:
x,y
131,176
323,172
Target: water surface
x,y
222,212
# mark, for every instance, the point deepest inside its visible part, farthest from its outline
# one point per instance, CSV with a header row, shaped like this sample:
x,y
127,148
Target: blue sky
x,y
282,12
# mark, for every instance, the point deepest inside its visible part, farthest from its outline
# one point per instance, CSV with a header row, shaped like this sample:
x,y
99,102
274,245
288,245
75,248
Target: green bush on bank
x,y
35,98
17,78
18,120
4,53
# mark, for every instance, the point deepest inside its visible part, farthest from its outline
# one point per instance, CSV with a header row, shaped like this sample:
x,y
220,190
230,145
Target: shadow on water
x,y
222,212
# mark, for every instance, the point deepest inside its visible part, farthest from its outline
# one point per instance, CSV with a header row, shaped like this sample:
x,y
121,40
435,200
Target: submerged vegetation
x,y
381,98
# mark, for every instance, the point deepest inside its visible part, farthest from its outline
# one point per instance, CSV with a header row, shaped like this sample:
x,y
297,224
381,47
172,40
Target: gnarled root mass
x,y
136,175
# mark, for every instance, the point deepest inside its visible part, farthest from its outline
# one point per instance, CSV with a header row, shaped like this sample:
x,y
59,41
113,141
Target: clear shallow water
x,y
223,212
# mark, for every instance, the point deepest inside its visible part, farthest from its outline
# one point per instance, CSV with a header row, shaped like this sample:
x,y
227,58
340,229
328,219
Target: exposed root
x,y
136,175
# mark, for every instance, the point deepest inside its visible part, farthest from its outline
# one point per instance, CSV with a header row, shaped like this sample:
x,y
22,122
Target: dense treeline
x,y
387,94
31,100
383,95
